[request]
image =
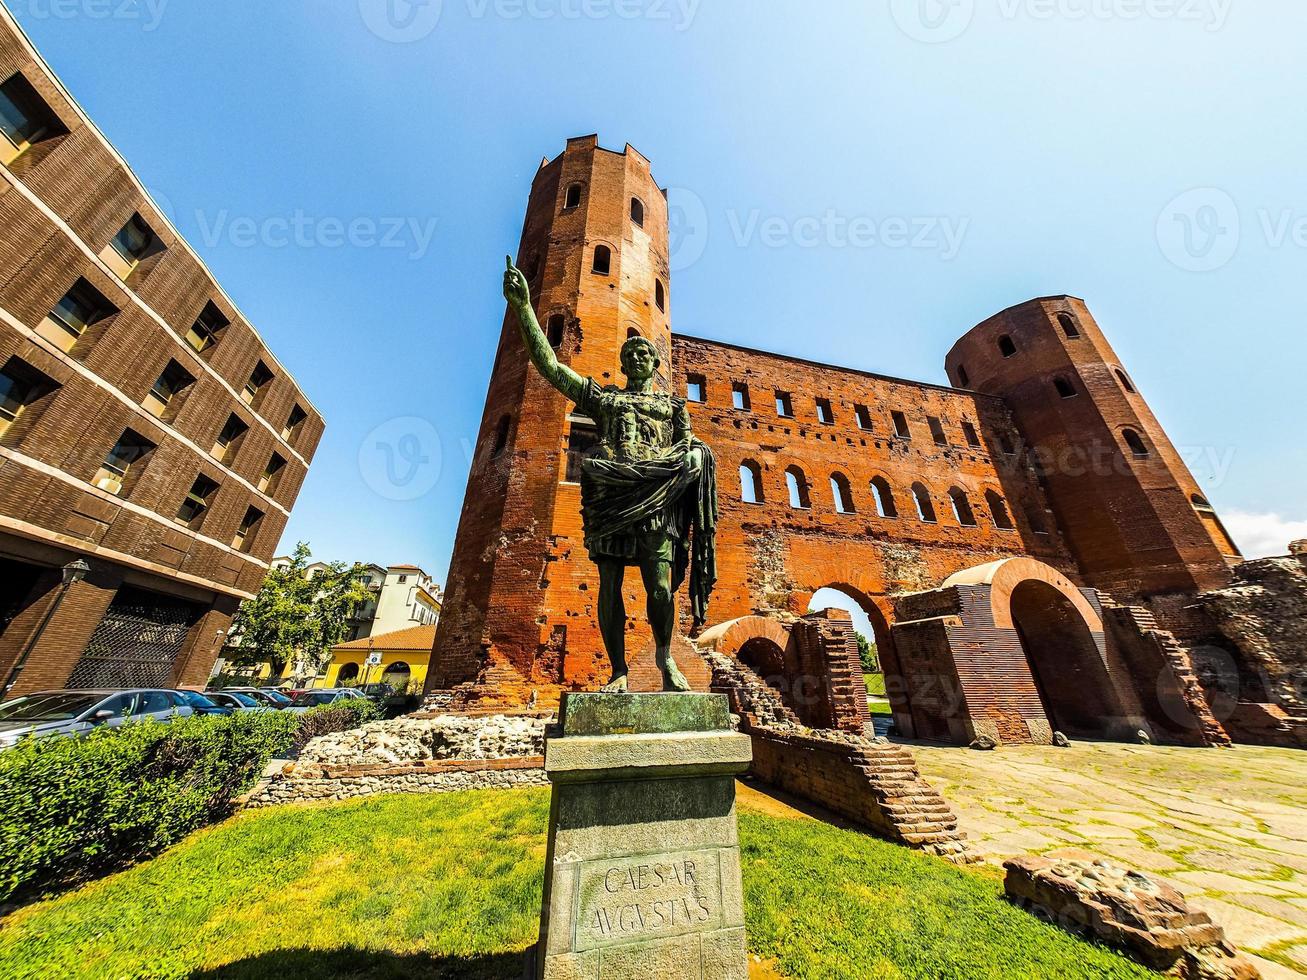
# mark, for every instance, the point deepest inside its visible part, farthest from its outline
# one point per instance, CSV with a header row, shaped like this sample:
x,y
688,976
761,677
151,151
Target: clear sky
x,y
354,171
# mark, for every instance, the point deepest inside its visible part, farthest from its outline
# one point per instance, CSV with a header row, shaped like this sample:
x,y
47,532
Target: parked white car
x,y
78,712
236,701
330,695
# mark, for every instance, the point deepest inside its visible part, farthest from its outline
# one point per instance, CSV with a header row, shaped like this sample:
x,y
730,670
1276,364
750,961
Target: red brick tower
x,y
521,590
1132,514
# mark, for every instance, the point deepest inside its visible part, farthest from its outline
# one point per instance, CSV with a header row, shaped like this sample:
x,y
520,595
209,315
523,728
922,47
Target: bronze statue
x,y
648,491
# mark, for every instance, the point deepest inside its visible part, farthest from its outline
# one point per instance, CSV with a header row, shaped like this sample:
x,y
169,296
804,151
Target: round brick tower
x,y
1133,516
521,590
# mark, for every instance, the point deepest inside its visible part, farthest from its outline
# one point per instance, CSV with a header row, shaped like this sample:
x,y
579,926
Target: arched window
x,y
841,494
501,435
962,507
797,484
632,332
1064,387
1035,518
1135,441
554,330
347,674
925,509
1069,326
637,211
998,510
884,497
660,294
1006,346
1207,514
603,261
573,197
1126,383
750,482
963,380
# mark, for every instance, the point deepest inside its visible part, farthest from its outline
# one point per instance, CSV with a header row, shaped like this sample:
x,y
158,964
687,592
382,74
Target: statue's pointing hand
x,y
516,290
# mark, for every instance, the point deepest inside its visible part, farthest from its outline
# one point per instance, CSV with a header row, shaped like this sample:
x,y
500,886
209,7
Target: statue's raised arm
x,y
518,293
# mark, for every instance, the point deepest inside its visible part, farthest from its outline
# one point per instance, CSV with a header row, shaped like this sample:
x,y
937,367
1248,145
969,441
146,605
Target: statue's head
x,y
639,359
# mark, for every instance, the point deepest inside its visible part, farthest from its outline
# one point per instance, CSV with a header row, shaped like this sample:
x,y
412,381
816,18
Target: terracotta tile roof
x,y
413,638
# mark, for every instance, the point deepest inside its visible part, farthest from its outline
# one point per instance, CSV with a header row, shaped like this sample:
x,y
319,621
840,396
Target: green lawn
x,y
875,684
449,886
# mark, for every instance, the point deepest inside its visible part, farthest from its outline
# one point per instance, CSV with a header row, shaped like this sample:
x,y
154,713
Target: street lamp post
x,y
73,572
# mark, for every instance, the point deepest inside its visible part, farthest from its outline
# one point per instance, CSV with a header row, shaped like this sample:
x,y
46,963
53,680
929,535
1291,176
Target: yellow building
x,y
404,657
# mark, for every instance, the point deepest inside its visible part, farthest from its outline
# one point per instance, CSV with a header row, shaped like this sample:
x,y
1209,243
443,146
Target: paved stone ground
x,y
1228,827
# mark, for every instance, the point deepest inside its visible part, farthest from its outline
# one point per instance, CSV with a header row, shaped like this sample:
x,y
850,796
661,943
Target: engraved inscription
x,y
629,900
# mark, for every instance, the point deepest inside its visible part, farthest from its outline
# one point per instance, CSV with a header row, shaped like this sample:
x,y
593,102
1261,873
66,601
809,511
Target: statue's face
x,y
639,362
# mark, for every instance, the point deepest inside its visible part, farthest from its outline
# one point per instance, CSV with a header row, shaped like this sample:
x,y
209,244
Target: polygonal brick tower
x,y
594,249
1132,514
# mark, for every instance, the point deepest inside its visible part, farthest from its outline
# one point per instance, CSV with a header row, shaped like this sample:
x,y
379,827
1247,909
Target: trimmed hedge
x,y
74,808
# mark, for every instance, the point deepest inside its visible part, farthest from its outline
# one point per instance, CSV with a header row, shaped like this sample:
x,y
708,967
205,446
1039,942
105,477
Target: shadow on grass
x,y
362,964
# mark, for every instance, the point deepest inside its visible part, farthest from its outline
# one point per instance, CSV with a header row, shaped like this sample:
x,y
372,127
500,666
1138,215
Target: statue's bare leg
x,y
612,622
657,577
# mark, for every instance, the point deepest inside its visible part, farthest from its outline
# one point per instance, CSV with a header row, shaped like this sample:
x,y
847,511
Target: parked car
x,y
378,692
277,694
321,696
271,699
78,712
235,701
201,704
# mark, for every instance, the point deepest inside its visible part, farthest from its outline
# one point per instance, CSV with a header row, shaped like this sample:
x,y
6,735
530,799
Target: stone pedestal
x,y
643,867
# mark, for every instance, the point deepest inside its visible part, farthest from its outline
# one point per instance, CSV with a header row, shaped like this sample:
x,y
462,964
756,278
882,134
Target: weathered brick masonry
x,y
986,529
71,399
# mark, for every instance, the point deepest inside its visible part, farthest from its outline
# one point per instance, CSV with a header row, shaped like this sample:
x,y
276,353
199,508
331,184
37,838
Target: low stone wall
x,y
299,782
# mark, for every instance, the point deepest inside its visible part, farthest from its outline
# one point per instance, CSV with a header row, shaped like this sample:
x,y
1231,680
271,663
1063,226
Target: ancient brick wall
x,y
61,203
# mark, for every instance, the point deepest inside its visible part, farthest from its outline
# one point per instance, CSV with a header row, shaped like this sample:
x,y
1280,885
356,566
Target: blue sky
x,y
353,173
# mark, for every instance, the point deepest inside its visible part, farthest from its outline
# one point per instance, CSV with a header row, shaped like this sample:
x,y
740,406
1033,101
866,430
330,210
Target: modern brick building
x,y
1028,544
145,428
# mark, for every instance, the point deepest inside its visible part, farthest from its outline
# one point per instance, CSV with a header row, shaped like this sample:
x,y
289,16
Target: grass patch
x,y
449,886
875,684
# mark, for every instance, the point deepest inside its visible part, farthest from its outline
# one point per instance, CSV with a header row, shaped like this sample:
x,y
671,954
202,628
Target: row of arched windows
x,y
882,495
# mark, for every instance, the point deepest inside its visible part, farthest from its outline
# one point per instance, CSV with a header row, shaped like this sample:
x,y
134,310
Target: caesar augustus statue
x,y
648,491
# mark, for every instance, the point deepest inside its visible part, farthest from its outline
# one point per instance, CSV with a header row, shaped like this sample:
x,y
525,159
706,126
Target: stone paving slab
x,y
1228,827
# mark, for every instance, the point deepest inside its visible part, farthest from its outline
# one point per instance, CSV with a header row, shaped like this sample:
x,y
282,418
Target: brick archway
x,y
1003,578
727,638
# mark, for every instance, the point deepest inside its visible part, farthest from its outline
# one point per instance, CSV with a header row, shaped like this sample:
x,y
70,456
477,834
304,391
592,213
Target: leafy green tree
x,y
295,617
868,655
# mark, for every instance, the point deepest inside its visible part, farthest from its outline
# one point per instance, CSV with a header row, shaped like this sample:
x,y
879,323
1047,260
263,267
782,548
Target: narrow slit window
x,y
502,431
660,295
963,380
581,440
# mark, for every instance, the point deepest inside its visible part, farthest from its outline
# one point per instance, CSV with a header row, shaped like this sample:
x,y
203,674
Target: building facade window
x,y
204,332
751,482
962,507
925,508
841,493
969,433
998,510
1136,443
1126,383
740,396
243,540
1065,389
937,430
884,497
660,295
502,431
901,428
25,118
555,329
1035,517
294,423
637,212
21,386
963,380
229,440
1006,346
581,439
196,503
257,385
825,414
165,397
133,244
784,407
696,388
863,416
271,474
603,260
797,485
1069,326
572,198
81,307
124,461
